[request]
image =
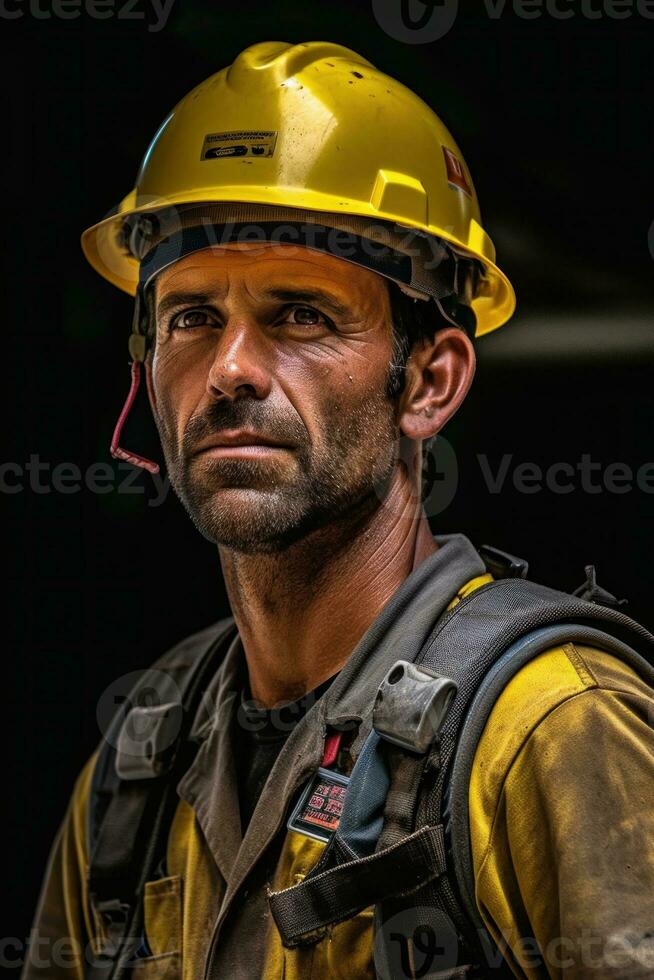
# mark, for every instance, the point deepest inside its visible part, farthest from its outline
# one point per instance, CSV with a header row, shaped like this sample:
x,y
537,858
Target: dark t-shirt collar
x,y
276,723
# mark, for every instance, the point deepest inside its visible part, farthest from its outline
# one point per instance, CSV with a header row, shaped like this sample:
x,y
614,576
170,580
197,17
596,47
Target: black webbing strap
x,y
134,830
333,896
406,771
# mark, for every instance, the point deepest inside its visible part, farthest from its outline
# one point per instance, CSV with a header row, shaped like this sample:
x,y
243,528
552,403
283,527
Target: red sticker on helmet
x,y
456,175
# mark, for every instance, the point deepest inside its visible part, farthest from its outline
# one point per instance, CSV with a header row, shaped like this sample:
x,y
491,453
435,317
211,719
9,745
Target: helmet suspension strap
x,y
137,350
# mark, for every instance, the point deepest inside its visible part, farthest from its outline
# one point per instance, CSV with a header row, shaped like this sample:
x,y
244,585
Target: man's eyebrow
x,y
173,300
319,296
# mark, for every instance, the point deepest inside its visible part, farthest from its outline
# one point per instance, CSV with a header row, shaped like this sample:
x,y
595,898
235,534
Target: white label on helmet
x,y
244,143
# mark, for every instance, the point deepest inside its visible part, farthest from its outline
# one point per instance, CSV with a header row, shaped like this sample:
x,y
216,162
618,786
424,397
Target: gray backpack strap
x,y
168,677
147,749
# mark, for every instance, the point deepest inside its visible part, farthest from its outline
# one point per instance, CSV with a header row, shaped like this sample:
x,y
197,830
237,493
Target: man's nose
x,y
239,366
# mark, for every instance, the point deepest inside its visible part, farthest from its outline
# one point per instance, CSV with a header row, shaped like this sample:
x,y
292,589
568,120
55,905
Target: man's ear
x,y
439,373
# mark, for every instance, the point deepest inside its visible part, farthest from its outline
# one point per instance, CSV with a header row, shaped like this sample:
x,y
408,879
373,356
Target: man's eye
x,y
306,316
189,319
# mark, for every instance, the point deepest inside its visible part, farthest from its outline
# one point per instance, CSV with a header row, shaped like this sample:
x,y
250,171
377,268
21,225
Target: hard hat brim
x,y
102,247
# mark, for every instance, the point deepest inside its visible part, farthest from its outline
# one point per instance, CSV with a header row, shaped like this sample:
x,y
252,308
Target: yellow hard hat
x,y
309,128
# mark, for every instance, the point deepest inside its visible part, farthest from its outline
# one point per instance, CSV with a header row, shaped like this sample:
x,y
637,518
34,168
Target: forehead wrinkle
x,y
187,280
359,295
273,252
214,292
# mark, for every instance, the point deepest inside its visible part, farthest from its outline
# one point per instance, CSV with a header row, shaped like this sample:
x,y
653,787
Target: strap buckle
x,y
411,705
501,564
148,740
115,919
592,592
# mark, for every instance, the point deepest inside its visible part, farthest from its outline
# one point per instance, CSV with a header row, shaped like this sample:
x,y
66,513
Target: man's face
x,y
269,372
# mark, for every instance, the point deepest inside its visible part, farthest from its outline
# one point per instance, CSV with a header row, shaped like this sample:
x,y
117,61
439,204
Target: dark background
x,y
554,118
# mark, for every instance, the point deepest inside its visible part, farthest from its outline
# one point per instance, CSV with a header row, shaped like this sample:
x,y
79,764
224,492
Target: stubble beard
x,y
265,507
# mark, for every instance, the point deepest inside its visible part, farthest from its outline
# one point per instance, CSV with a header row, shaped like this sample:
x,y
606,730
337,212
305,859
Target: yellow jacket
x,y
562,829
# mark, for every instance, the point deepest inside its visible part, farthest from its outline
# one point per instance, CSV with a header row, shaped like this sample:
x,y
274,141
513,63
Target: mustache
x,y
244,413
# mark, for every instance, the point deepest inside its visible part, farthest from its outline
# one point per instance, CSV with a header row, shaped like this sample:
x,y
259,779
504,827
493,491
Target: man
x,y
309,266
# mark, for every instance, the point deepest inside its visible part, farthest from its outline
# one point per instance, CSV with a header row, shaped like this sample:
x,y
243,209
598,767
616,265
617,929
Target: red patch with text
x,y
318,811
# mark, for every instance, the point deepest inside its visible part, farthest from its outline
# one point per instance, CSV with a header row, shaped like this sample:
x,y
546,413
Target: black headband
x,y
372,255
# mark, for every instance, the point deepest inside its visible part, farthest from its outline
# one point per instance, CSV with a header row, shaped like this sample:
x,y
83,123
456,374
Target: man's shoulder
x,y
547,682
556,702
182,655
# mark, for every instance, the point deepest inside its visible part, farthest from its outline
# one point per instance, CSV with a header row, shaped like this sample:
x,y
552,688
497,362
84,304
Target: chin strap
x,y
137,350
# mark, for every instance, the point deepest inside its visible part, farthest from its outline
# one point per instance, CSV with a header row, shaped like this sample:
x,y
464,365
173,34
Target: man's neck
x,y
300,613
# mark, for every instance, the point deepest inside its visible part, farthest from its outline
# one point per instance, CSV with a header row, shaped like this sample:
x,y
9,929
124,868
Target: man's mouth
x,y
240,442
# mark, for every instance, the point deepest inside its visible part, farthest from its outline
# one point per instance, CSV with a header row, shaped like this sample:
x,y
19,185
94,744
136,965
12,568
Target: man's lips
x,y
239,442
